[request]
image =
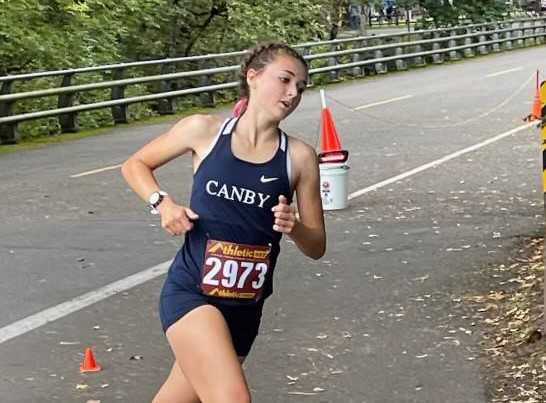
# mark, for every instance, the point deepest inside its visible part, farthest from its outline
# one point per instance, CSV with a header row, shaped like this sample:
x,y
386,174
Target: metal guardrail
x,y
363,55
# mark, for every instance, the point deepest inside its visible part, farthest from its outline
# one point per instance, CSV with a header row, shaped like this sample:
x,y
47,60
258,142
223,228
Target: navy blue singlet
x,y
233,199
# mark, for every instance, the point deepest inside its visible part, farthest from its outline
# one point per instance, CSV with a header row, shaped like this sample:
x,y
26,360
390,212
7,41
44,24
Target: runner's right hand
x,y
176,219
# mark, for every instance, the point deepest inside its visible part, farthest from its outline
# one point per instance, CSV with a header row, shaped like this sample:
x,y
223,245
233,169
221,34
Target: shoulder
x,y
198,125
300,151
195,132
303,159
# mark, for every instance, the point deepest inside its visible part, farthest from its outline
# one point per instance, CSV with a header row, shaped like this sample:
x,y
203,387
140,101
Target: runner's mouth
x,y
286,104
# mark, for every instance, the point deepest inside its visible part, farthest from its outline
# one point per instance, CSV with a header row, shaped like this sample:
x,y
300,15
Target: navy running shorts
x,y
243,321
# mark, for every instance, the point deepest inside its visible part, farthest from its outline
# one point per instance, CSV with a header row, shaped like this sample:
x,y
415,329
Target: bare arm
x,y
190,134
308,231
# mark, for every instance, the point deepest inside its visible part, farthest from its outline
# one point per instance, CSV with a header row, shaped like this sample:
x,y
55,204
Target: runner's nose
x,y
292,90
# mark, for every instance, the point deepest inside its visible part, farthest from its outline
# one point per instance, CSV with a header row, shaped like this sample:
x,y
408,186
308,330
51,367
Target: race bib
x,y
234,270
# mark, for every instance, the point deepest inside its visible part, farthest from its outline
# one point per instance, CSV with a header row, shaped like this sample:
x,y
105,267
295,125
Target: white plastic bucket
x,y
334,180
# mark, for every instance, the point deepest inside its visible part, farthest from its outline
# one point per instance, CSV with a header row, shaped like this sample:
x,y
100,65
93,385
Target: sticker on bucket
x,y
333,185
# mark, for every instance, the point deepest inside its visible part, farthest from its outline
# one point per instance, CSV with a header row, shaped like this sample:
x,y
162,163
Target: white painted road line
x,y
96,171
387,101
32,322
440,161
500,73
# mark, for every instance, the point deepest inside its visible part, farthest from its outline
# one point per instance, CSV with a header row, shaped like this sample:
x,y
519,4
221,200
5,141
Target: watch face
x,y
154,197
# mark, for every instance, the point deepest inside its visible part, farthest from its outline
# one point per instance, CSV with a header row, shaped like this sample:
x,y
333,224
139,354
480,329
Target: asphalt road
x,y
378,319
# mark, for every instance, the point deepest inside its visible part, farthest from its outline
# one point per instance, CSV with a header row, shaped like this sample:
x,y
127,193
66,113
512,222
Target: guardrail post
x,y
495,47
468,52
529,31
332,61
508,44
495,36
380,68
304,52
437,58
482,49
400,63
206,98
166,106
68,121
8,132
119,112
519,34
418,61
453,54
539,40
358,71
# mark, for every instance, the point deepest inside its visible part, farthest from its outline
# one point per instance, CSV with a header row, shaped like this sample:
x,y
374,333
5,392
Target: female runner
x,y
246,171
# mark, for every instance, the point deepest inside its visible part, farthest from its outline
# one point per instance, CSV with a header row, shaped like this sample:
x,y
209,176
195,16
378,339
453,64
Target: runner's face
x,y
278,87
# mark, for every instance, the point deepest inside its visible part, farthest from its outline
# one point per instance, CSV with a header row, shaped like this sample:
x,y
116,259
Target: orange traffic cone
x,y
536,109
330,146
89,364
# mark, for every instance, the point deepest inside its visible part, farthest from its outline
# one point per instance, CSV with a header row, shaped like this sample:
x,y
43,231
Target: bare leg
x,y
176,389
204,351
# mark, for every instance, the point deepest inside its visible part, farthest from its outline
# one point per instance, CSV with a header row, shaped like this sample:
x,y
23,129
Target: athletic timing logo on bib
x,y
233,270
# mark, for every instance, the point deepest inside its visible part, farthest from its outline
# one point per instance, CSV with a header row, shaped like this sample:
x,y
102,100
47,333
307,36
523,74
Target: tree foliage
x,y
53,34
60,34
449,13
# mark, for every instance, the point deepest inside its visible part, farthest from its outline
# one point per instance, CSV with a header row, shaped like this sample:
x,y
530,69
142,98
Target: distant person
x,y
354,13
246,171
389,14
381,16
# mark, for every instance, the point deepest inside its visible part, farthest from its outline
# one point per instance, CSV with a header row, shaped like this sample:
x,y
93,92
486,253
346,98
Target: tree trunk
x,y
172,45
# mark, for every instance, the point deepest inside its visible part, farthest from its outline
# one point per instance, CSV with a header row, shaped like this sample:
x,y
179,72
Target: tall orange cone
x,y
89,364
330,146
329,140
333,169
536,109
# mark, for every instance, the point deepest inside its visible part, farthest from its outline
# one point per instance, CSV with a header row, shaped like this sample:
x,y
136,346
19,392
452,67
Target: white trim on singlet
x,y
283,141
215,140
229,126
284,147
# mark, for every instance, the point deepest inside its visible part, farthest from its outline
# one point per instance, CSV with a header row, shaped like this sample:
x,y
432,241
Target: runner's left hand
x,y
285,216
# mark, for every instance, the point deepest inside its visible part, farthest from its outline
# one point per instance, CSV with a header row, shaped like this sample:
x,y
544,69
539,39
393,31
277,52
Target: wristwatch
x,y
155,200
